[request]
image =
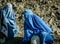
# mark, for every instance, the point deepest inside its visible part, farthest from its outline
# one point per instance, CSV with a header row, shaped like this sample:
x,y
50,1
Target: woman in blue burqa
x,y
8,27
34,25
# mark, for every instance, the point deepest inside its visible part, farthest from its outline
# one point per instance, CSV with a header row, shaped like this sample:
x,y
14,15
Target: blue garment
x,y
49,39
10,21
33,25
3,25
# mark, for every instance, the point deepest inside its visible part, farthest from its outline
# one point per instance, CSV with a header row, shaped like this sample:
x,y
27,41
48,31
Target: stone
x,y
51,20
14,6
53,14
43,2
54,7
58,14
58,26
48,14
35,39
19,0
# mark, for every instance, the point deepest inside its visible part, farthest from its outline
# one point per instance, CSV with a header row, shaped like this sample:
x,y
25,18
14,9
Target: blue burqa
x,y
34,25
9,29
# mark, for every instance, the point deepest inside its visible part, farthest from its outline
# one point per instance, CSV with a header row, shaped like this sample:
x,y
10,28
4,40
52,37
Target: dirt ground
x,y
48,10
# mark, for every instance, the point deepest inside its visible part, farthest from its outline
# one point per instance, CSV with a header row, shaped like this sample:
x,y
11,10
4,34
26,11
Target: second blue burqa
x,y
34,25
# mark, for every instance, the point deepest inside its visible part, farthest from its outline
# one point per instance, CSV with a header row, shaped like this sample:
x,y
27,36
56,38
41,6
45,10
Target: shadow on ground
x,y
17,40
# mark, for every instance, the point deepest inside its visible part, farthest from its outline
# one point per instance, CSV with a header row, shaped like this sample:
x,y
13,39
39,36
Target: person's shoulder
x,y
35,15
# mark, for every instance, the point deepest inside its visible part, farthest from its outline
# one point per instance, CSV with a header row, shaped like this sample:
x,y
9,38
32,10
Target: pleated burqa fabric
x,y
34,25
9,28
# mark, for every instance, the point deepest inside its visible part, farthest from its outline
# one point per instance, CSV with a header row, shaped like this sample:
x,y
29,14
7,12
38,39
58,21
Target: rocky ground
x,y
48,10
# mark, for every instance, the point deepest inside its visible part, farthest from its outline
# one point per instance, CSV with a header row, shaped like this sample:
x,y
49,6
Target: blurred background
x,y
48,10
